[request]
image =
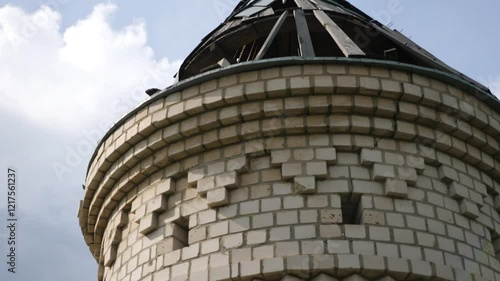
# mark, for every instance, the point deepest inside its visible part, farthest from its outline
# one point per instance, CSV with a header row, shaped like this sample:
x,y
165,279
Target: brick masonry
x,y
320,172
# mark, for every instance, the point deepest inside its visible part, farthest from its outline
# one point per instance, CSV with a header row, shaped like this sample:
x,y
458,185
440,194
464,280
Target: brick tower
x,y
303,141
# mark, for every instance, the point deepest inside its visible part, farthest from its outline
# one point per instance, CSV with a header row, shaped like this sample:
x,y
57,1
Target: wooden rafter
x,y
348,47
305,4
303,35
271,36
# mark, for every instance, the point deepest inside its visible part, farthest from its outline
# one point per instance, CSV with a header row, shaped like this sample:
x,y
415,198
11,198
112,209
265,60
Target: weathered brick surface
x,y
315,172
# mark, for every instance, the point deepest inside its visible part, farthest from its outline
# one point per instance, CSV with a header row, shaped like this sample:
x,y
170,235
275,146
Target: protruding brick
x,y
469,209
238,164
289,170
396,188
148,224
194,175
416,162
411,92
408,174
458,191
157,204
318,169
217,197
140,212
166,187
205,184
122,219
497,203
381,172
369,157
228,179
405,130
327,154
448,174
346,84
279,157
305,184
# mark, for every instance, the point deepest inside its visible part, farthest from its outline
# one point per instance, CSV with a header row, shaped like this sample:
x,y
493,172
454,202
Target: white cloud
x,y
70,79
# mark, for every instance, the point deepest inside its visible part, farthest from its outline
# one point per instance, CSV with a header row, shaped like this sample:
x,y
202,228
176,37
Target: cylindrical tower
x,y
303,141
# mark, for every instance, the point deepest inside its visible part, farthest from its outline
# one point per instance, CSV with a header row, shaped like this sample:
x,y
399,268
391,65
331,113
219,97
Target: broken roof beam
x,y
271,36
303,35
219,64
222,53
346,45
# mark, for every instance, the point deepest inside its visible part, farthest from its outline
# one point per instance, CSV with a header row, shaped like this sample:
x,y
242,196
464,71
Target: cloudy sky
x,y
69,69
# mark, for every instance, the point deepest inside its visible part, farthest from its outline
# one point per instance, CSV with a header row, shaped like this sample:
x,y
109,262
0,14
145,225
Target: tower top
x,y
266,29
246,7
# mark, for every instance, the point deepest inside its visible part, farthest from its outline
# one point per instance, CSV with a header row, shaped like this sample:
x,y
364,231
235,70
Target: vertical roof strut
x,y
303,35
